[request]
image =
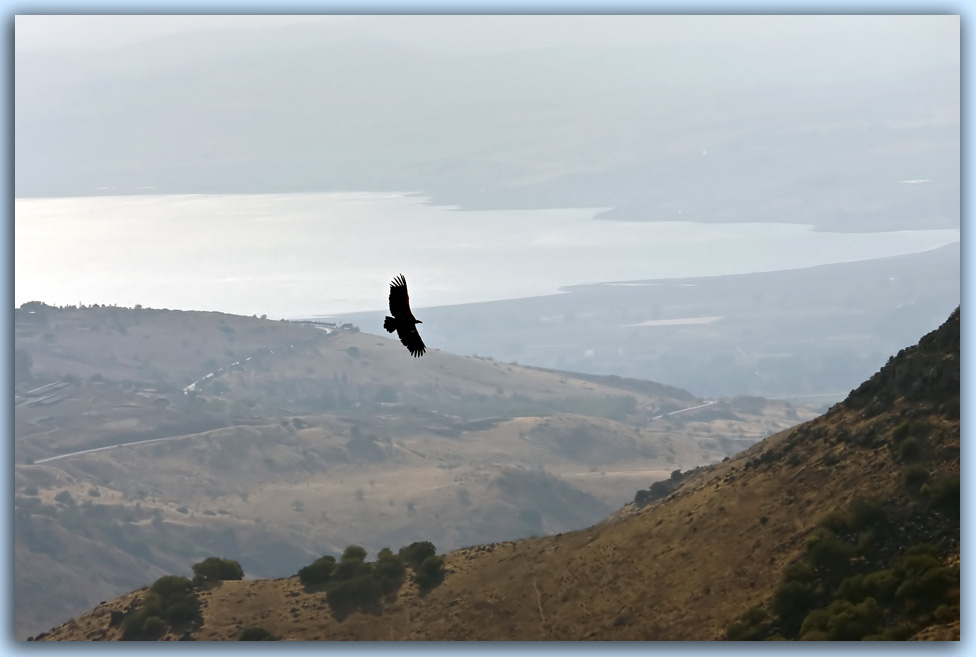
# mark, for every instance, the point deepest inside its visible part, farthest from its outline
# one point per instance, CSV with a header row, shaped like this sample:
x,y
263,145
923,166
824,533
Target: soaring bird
x,y
403,321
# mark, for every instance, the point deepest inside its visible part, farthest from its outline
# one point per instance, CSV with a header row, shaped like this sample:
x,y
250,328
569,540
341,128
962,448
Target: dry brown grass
x,y
680,569
252,475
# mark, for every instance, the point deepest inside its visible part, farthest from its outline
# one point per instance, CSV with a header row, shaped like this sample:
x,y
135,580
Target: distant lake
x,y
298,255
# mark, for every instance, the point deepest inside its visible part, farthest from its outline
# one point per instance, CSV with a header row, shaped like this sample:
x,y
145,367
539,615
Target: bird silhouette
x,y
403,321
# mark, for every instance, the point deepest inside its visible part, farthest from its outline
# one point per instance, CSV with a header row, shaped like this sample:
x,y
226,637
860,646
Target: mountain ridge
x,y
164,437
875,480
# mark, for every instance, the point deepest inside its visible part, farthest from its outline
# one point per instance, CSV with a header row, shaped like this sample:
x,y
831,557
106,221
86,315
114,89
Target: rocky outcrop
x,y
926,372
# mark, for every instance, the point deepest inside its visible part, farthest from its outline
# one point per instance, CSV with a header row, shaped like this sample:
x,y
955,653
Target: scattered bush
x,y
943,493
799,571
318,572
430,573
915,476
353,584
829,556
910,450
389,571
153,627
354,553
256,634
170,600
793,600
866,512
352,564
213,569
361,592
850,622
901,432
837,521
416,553
752,625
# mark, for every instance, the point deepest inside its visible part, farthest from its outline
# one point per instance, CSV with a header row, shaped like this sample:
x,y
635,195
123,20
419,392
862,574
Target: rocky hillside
x,y
146,440
845,527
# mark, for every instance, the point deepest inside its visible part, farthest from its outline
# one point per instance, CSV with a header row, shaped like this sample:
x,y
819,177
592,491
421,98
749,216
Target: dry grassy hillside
x,y
845,527
165,437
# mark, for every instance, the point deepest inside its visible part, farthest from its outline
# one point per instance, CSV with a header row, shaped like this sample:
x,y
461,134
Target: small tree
x,y
257,634
415,553
318,572
354,553
388,571
430,573
213,569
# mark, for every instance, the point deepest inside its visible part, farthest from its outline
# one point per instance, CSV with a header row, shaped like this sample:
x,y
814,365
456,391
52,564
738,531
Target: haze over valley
x,y
683,284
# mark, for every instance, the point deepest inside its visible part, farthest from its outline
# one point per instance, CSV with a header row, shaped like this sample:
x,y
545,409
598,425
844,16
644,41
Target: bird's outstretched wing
x,y
411,340
405,322
400,301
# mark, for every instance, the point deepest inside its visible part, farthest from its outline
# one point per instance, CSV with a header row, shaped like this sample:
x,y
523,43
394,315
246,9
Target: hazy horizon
x,y
299,255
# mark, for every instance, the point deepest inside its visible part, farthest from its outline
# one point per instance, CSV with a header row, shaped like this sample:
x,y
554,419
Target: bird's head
x,y
417,321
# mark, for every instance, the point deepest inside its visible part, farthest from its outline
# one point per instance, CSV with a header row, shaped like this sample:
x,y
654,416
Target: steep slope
x,y
784,540
292,441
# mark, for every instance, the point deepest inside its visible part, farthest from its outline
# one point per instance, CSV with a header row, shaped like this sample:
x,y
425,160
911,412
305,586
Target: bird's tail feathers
x,y
389,324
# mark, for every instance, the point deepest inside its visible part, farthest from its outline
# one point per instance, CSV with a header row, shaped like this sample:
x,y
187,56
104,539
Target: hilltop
x,y
148,439
844,527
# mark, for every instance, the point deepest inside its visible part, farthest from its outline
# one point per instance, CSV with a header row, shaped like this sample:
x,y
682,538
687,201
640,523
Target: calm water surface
x,y
294,255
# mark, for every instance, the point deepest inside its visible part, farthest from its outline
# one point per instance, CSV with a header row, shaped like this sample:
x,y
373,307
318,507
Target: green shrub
x,y
946,613
921,548
752,625
318,572
943,493
152,628
866,512
815,635
389,571
837,521
214,569
852,589
926,591
881,585
901,432
416,553
793,600
910,449
898,632
816,621
354,553
740,631
917,563
361,592
170,584
172,597
256,634
799,571
852,622
350,568
183,610
829,556
430,573
915,476
152,605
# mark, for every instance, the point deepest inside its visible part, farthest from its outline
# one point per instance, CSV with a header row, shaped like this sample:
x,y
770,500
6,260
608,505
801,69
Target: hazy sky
x,y
809,120
97,32
37,32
